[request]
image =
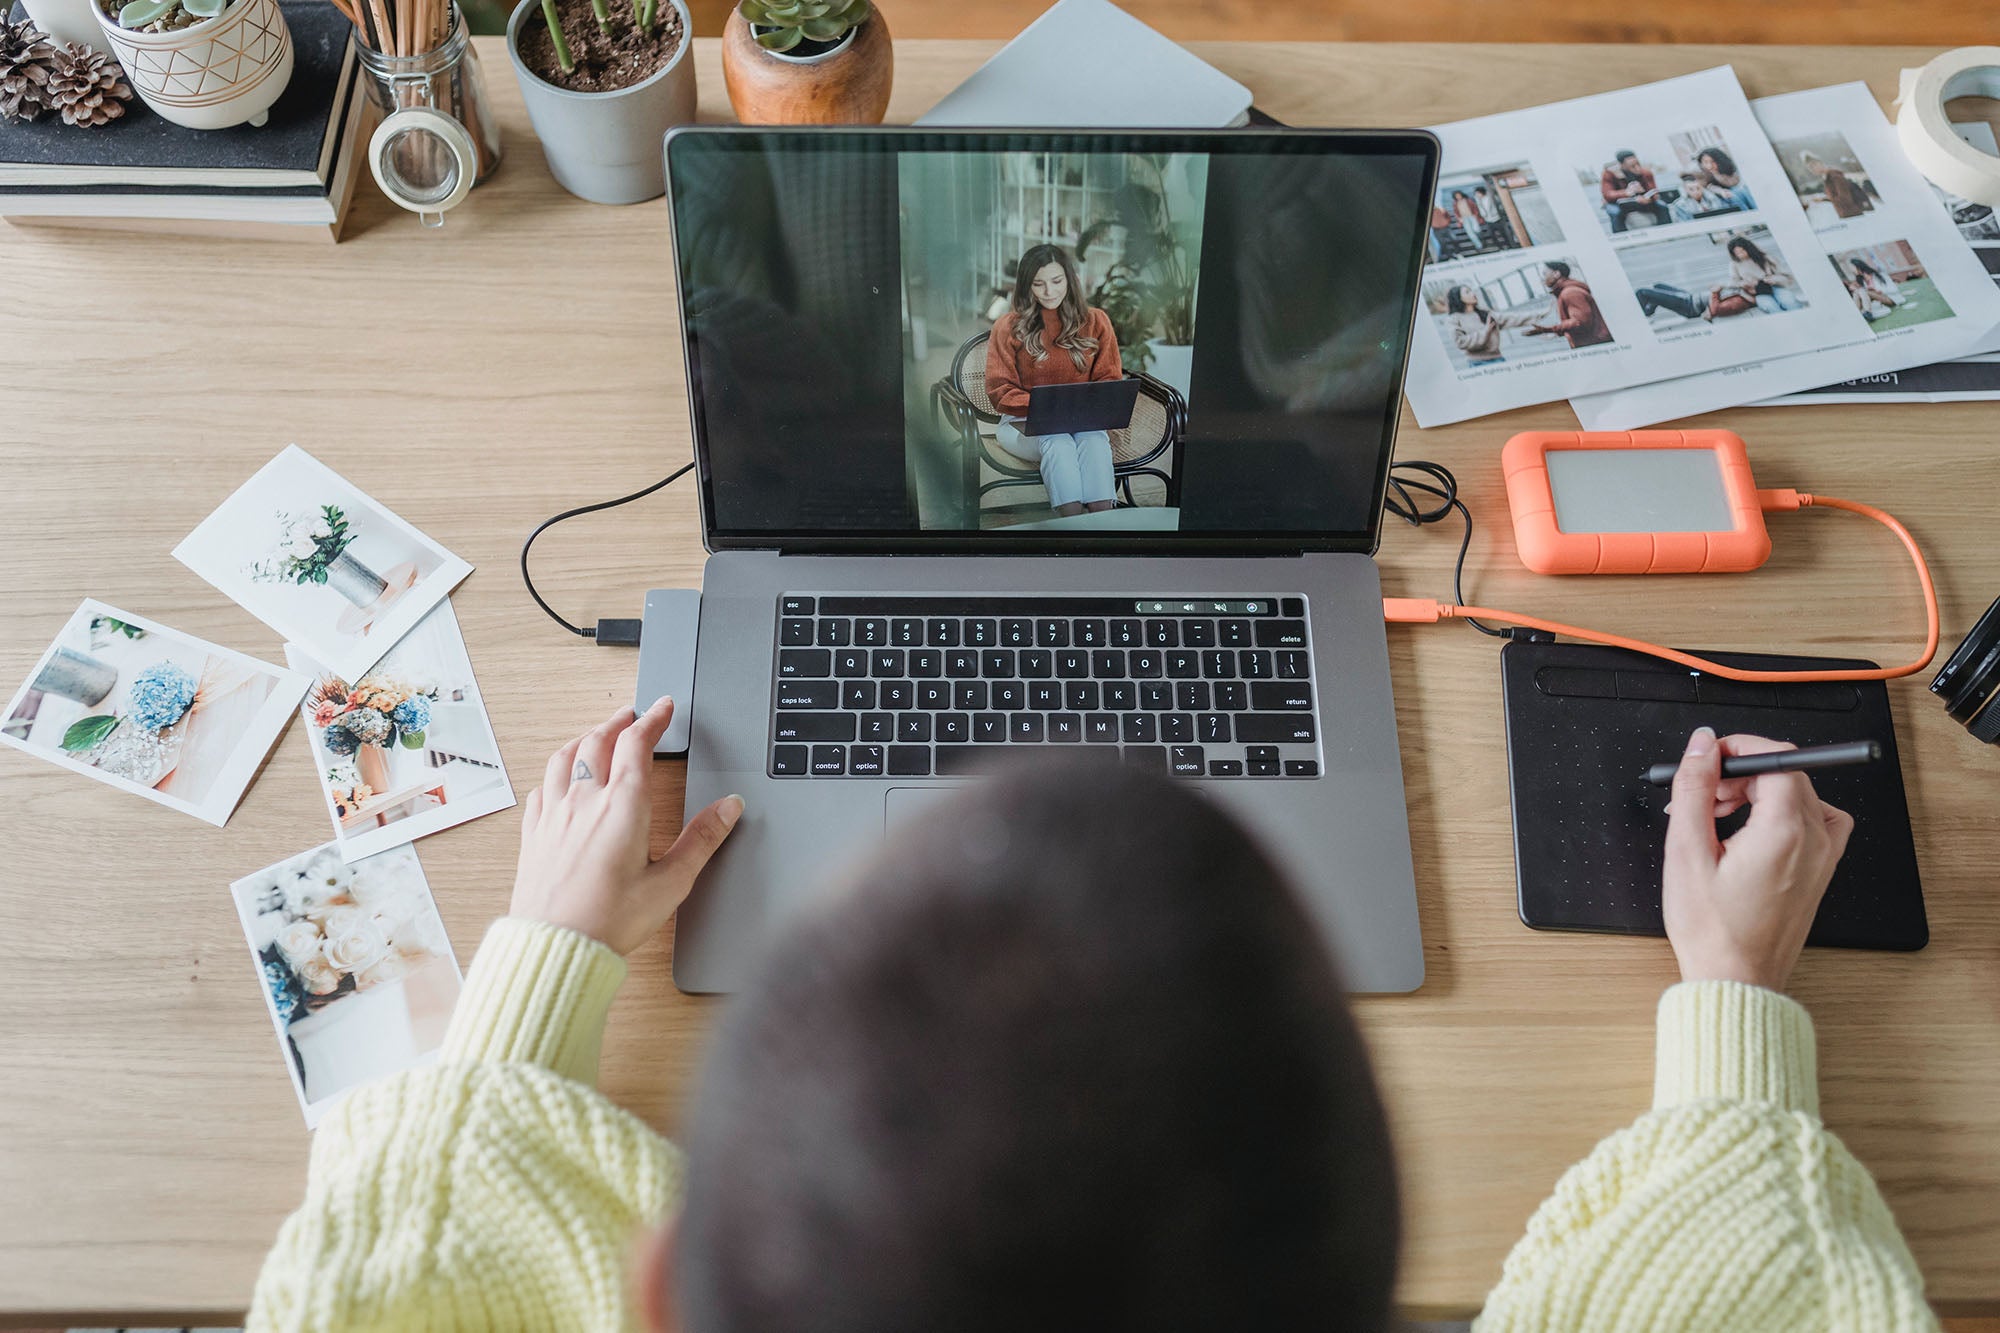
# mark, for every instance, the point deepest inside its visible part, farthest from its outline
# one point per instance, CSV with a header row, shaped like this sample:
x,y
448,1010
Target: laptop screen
x,y
867,314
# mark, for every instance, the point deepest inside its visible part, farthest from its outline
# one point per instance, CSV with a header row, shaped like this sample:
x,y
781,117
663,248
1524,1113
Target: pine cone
x,y
87,87
25,56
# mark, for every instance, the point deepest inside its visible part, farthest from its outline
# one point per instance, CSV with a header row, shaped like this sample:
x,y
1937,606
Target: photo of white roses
x,y
152,711
313,557
354,964
406,749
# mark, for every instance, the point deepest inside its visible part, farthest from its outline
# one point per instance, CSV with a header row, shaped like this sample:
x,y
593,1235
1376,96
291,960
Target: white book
x,y
1087,64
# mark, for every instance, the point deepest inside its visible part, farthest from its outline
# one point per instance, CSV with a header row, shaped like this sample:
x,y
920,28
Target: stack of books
x,y
290,178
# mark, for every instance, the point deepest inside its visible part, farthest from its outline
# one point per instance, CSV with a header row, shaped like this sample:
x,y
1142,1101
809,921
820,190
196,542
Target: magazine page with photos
x,y
1921,292
1609,241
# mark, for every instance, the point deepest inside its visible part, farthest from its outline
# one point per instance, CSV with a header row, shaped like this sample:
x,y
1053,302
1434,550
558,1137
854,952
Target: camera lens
x,y
1969,683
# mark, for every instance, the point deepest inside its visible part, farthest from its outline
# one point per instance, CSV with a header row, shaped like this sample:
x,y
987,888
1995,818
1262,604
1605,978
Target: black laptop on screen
x,y
1070,409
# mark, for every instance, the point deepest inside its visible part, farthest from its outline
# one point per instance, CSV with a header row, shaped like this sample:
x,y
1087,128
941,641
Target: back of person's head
x,y
1069,1054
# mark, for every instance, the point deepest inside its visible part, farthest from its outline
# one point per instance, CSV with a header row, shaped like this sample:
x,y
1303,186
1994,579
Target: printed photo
x,y
304,551
357,972
151,711
1655,181
1479,212
1828,176
1048,335
1691,280
1498,315
1889,286
1978,223
406,749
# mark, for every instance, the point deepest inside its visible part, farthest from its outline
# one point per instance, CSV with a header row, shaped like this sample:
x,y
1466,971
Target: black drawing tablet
x,y
1584,722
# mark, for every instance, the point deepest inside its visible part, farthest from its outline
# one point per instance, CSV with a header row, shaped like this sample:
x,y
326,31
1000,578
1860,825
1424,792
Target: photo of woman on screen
x,y
1050,335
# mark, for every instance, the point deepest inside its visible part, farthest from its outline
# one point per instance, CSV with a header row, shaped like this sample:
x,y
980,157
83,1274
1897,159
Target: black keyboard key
x,y
1214,728
834,634
857,696
1294,664
955,728
996,663
1037,663
804,663
933,695
989,728
1163,634
1230,697
1198,633
1044,695
1183,664
796,606
1225,768
829,761
878,727
1080,696
913,726
1156,695
1010,696
957,761
886,662
1191,696
1273,696
1144,662
1281,633
1122,695
1139,729
1301,768
962,663
1262,761
1025,728
850,662
1279,728
1294,606
926,662
864,761
1100,727
1073,664
1186,761
1127,634
969,696
898,695
906,633
815,727
1107,663
795,633
820,694
1153,757
941,633
789,761
1052,633
1218,664
1065,728
1087,633
871,633
1017,633
909,761
1254,664
1234,633
1176,728
982,633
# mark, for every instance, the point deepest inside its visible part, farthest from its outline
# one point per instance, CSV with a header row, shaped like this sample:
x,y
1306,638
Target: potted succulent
x,y
807,62
205,64
604,80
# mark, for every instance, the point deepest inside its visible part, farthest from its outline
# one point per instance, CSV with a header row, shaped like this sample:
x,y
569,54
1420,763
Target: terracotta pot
x,y
371,762
221,72
848,85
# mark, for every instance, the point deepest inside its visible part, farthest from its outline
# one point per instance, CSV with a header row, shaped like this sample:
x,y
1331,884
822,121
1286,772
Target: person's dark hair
x,y
1479,189
1454,303
1749,250
1070,1054
1863,266
1561,269
1072,315
1722,164
1622,154
1458,194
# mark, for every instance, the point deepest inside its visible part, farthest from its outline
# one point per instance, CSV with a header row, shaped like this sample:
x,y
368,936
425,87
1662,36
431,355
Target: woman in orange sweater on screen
x,y
1050,336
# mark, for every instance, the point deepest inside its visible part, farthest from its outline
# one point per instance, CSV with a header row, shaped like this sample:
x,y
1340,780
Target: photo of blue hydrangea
x,y
161,696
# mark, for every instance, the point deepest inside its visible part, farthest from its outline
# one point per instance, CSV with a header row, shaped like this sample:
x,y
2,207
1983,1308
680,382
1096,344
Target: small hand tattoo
x,y
581,773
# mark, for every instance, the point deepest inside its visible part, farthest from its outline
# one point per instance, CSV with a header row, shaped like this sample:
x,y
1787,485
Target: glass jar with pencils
x,y
438,137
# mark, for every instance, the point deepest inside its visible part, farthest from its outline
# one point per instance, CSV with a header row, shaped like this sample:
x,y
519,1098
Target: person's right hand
x,y
1739,910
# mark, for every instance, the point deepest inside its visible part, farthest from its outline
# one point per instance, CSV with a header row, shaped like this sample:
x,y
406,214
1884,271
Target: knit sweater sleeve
x,y
494,1189
1003,382
1728,1206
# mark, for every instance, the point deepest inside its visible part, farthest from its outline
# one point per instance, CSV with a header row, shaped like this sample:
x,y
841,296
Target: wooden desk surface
x,y
524,359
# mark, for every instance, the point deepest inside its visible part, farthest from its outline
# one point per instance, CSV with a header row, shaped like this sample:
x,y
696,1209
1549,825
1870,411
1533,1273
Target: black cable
x,y
1405,506
548,523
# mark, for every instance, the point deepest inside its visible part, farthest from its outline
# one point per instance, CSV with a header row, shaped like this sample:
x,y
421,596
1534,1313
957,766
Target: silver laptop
x,y
903,589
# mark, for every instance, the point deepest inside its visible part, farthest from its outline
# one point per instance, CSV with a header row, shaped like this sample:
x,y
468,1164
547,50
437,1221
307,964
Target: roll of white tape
x,y
1948,161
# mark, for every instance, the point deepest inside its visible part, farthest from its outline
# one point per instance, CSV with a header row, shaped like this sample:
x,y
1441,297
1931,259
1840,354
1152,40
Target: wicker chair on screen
x,y
1159,421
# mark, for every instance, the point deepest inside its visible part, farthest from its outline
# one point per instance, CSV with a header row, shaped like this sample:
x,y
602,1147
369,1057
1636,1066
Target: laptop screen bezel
x,y
898,139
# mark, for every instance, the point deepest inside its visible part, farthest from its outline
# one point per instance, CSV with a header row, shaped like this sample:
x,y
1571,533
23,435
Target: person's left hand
x,y
585,861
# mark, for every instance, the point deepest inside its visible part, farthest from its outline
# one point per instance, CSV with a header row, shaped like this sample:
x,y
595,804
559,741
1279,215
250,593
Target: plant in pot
x,y
205,64
603,82
807,62
1149,293
362,721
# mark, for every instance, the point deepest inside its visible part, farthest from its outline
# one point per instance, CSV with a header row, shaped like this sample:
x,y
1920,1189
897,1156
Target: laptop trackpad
x,y
907,804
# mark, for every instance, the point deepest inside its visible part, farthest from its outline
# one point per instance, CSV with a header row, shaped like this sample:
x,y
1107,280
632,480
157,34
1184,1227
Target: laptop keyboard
x,y
928,686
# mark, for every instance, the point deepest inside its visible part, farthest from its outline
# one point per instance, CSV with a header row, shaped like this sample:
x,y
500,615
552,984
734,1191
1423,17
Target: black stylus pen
x,y
1779,761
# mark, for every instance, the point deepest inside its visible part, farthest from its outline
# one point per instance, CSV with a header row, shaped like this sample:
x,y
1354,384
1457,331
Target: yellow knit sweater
x,y
496,1189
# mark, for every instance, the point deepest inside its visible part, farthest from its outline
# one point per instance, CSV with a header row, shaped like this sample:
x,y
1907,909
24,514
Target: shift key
x,y
1273,728
815,727
1268,696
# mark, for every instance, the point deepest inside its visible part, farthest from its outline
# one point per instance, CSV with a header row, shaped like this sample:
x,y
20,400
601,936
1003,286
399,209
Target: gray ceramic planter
x,y
605,147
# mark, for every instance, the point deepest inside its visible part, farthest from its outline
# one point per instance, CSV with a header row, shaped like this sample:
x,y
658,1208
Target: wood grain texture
x,y
524,359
